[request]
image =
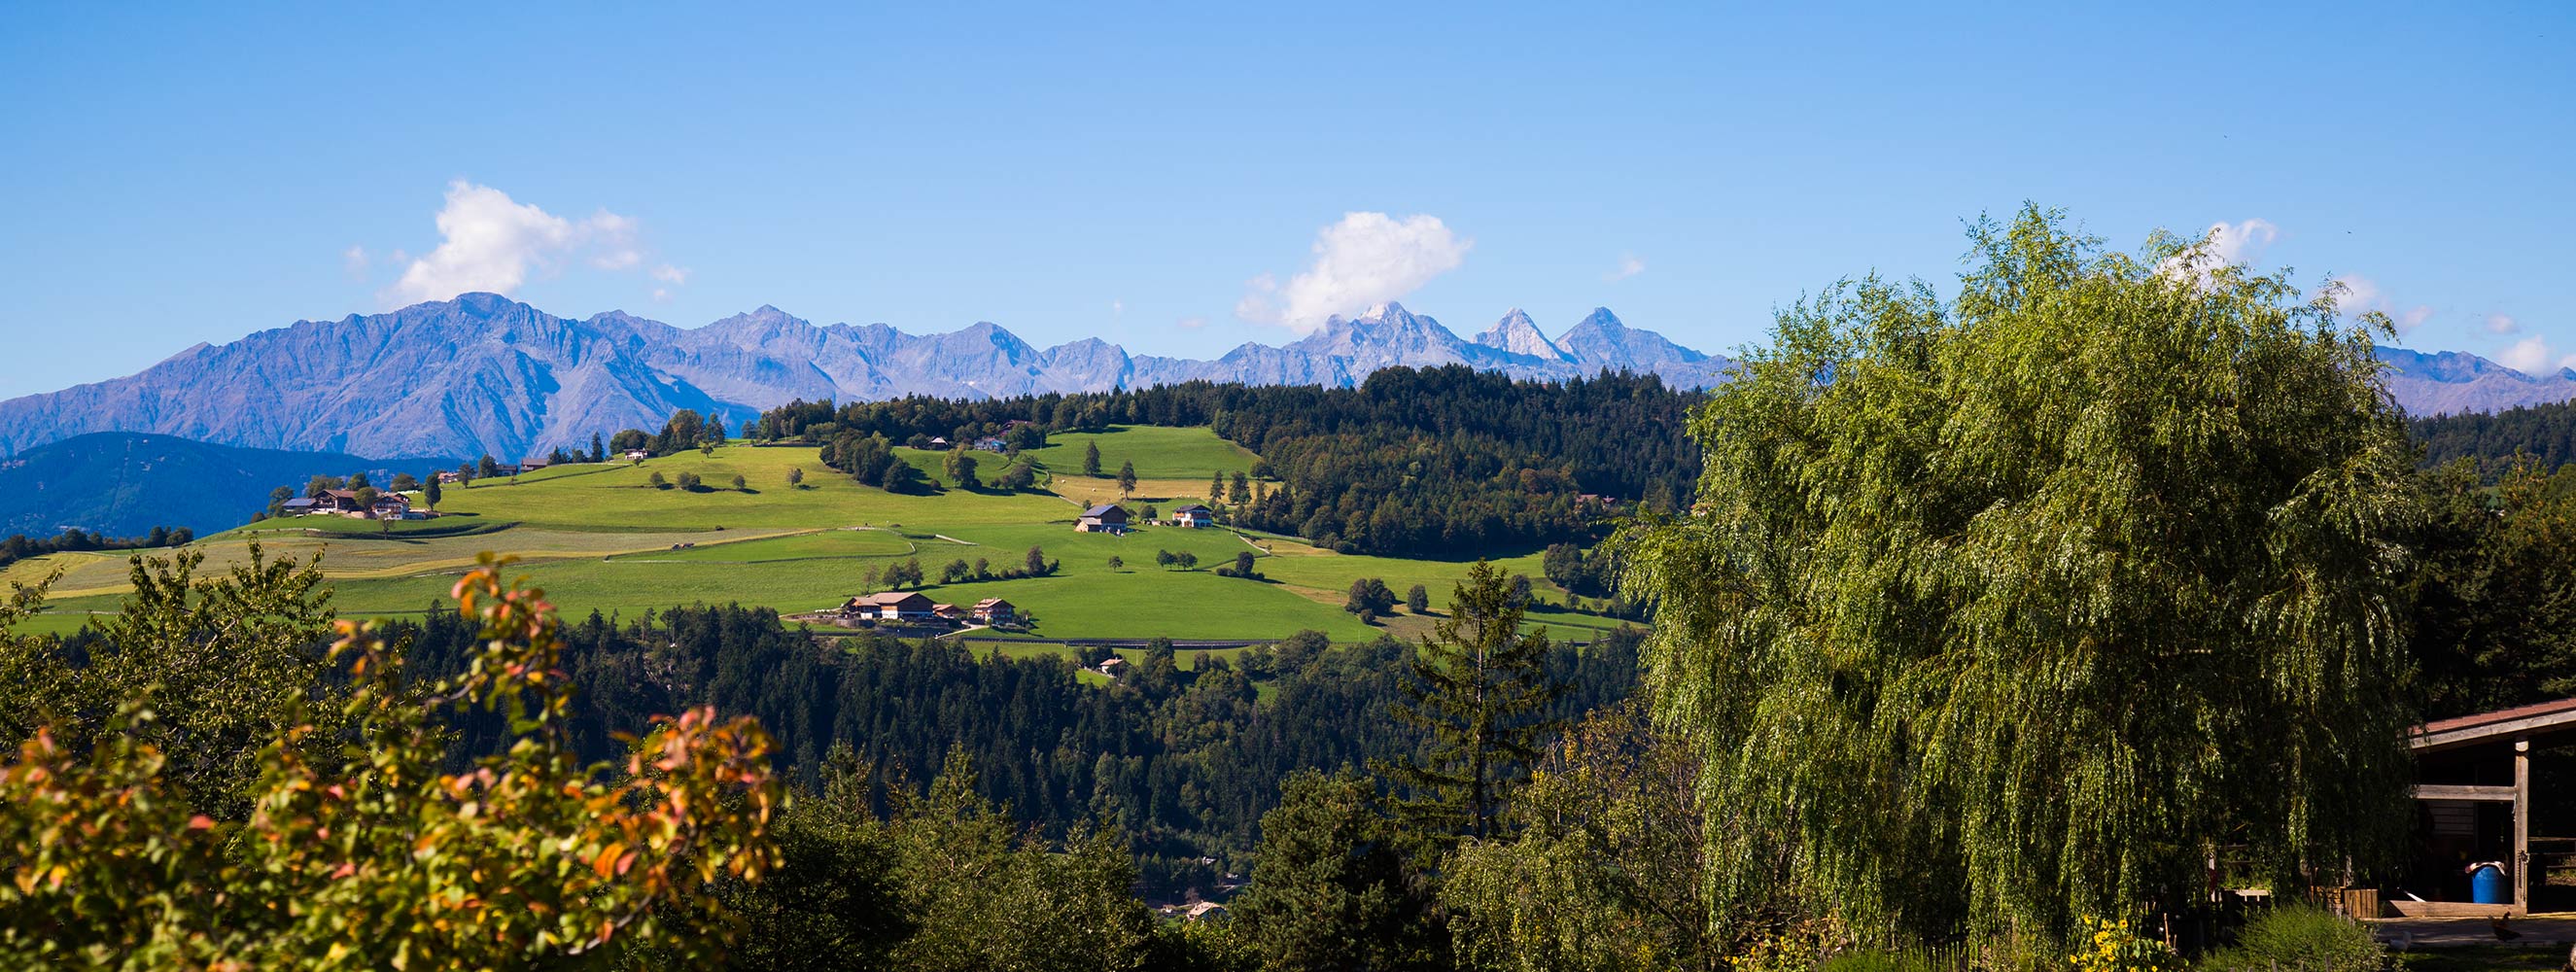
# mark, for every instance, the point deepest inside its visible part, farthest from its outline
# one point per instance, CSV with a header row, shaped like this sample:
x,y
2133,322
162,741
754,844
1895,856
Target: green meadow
x,y
602,537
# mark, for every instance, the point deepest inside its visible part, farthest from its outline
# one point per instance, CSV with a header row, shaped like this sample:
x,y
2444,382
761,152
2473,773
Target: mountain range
x,y
484,374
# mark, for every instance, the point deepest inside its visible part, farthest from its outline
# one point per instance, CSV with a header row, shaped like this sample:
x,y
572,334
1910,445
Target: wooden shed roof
x,y
2501,723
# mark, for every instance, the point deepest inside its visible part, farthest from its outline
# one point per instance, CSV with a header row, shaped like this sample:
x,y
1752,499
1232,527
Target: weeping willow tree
x,y
2001,611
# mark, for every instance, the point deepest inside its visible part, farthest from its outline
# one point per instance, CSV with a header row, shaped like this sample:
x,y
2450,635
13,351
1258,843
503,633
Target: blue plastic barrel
x,y
2487,886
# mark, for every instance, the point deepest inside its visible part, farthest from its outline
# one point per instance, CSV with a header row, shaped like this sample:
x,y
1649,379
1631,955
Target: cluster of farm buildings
x,y
345,502
914,607
1113,519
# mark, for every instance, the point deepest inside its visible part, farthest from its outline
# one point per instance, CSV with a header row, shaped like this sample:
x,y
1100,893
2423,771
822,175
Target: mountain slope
x,y
486,374
124,484
2451,382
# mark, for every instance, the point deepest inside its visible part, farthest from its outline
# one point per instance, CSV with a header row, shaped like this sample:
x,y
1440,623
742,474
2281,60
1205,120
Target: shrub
x,y
2111,947
657,481
2300,937
689,480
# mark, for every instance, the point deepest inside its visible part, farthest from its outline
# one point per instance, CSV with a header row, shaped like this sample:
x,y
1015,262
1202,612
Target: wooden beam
x,y
2522,824
2495,731
2493,794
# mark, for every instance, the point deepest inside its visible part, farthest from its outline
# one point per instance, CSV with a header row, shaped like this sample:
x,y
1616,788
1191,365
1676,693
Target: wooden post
x,y
2522,826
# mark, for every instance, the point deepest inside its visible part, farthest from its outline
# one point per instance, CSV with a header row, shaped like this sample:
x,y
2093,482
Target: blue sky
x,y
1134,173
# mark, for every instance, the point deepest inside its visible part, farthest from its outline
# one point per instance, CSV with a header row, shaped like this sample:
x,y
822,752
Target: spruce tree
x,y
1479,689
1091,458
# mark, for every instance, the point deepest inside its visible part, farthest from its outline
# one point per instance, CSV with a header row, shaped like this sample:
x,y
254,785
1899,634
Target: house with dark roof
x,y
893,606
301,505
1194,516
1105,518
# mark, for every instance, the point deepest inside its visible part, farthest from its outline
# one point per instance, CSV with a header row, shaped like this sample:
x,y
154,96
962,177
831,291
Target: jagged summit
x,y
1518,334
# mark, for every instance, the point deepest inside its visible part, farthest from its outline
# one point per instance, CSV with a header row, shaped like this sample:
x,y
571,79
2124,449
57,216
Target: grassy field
x,y
600,537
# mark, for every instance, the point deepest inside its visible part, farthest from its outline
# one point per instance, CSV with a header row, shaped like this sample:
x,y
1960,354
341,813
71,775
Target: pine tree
x,y
1091,458
1479,689
1126,479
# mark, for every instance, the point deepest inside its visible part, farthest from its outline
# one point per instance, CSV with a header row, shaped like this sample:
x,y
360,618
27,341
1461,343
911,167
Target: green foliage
x,y
2299,938
1091,458
2496,442
689,481
1604,871
982,893
2493,593
1369,595
367,855
2109,946
1479,692
224,662
1971,589
1330,886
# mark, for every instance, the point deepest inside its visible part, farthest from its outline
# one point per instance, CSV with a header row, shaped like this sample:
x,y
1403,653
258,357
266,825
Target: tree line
x,y
1437,460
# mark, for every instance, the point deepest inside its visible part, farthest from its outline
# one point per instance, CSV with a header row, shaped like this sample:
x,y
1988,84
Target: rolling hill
x,y
601,537
124,484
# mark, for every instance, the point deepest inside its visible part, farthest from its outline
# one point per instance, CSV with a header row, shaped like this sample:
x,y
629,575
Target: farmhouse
x,y
391,506
340,500
450,477
893,606
1194,516
532,465
2475,853
1105,518
993,610
948,612
301,505
991,443
637,455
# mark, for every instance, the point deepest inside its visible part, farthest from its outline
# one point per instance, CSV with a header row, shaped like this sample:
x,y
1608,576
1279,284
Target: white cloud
x,y
672,275
354,260
2502,324
1629,266
2356,295
2243,242
2224,244
2534,355
1364,260
490,242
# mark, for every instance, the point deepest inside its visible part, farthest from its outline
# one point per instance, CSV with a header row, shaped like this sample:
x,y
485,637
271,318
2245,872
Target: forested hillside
x,y
2547,433
1182,761
1414,462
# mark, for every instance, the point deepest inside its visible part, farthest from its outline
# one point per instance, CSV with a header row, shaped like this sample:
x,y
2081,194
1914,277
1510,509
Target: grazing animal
x,y
2503,933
